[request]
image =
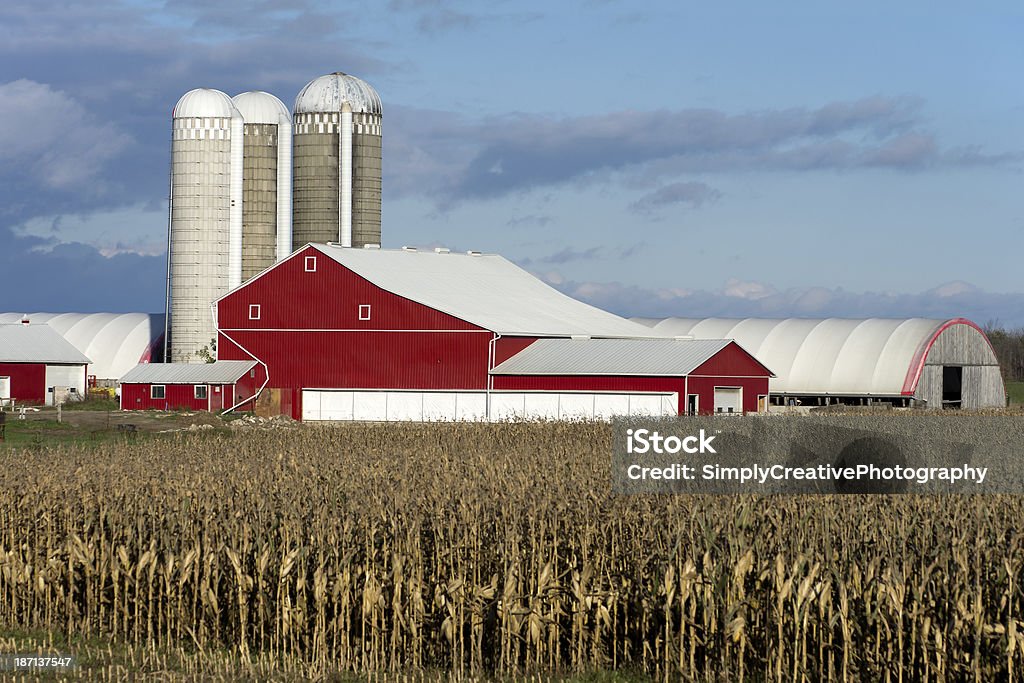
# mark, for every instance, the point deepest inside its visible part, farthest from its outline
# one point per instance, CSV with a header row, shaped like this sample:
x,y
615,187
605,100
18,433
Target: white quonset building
x,y
937,363
114,342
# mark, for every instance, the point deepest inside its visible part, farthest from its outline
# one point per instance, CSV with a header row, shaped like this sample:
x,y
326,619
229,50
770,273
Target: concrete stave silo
x,y
205,224
337,162
266,181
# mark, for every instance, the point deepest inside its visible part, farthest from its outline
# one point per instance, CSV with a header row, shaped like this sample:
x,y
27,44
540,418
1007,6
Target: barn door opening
x,y
692,404
952,386
5,390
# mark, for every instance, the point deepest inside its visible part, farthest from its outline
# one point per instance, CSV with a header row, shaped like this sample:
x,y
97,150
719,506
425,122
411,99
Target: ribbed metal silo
x,y
266,181
337,162
205,231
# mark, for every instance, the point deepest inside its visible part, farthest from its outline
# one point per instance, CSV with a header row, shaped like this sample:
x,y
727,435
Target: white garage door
x,y
450,406
729,400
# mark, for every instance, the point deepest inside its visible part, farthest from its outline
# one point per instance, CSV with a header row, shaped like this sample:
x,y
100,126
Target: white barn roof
x,y
482,289
37,343
637,357
221,372
831,356
116,342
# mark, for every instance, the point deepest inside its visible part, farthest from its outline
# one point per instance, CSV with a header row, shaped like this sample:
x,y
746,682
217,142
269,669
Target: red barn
x,y
36,363
201,386
707,375
346,333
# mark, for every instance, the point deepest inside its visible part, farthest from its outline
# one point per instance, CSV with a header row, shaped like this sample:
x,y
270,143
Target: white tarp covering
x,y
450,406
840,356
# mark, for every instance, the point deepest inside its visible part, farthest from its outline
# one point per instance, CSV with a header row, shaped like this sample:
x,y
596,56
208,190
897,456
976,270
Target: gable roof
x,y
641,357
37,344
220,372
483,289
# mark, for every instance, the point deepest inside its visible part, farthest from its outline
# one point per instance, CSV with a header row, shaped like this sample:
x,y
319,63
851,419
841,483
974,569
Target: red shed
x,y
708,375
201,386
36,363
378,334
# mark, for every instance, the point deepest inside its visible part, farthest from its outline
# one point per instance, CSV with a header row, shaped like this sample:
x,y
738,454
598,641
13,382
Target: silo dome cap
x,y
260,107
328,93
204,102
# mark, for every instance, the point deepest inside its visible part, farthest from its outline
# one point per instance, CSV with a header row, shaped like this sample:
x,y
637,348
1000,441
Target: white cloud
x,y
51,136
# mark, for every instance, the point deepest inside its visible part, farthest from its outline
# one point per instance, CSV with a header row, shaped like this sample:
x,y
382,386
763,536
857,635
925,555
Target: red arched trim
x,y
917,365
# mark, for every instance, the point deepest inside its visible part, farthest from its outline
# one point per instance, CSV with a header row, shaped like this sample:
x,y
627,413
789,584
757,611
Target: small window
x,y
311,264
254,311
156,391
201,391
364,311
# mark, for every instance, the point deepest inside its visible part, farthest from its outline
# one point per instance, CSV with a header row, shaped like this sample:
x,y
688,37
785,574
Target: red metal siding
x,y
28,381
290,298
365,360
176,396
310,336
731,361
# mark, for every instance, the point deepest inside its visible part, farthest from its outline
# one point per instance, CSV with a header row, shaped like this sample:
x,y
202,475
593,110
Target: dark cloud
x,y
754,299
76,277
86,127
451,158
570,255
691,194
529,219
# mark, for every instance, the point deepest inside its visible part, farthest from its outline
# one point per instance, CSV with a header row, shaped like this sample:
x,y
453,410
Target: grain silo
x,y
337,172
205,233
266,181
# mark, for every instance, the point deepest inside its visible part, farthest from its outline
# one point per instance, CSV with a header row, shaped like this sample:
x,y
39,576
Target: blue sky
x,y
653,158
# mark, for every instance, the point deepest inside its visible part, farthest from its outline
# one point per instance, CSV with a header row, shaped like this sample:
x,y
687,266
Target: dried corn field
x,y
495,551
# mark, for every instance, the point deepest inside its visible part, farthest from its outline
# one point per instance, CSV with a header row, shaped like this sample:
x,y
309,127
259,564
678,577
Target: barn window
x,y
200,392
254,311
157,391
364,311
311,264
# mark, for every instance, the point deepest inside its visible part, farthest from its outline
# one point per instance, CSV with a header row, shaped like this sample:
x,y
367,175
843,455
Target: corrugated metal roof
x,y
483,289
657,357
37,344
838,356
221,372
